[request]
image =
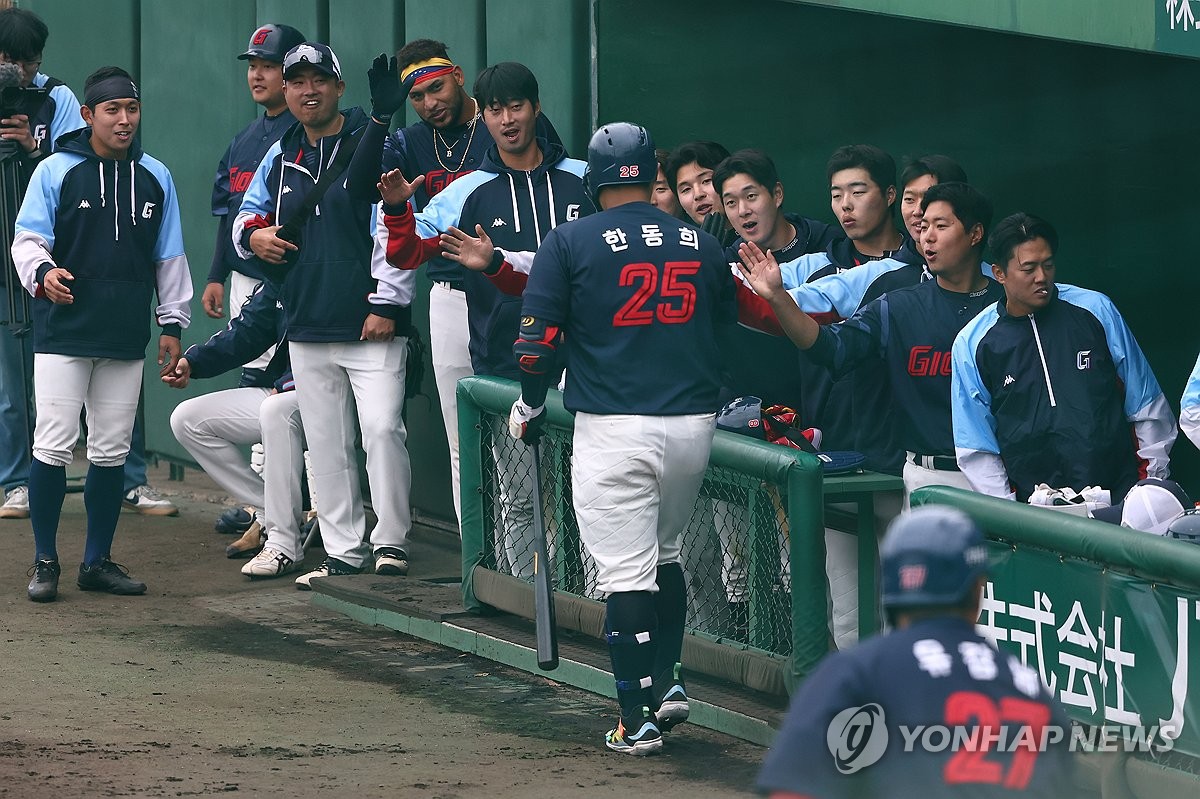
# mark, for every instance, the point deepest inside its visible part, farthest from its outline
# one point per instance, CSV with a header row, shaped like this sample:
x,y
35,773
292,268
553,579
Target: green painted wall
x,y
1097,140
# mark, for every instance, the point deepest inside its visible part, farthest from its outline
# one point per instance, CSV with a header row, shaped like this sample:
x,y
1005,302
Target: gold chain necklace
x,y
437,139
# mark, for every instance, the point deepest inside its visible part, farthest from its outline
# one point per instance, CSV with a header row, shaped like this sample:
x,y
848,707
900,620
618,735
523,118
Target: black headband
x,y
116,87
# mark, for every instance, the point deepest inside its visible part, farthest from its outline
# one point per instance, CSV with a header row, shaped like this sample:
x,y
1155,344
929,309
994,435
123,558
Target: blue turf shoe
x,y
671,699
638,735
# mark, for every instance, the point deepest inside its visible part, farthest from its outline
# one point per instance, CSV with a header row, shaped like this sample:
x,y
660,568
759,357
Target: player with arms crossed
x,y
842,736
619,284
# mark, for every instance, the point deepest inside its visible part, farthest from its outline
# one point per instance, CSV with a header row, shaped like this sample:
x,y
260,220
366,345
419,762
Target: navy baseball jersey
x,y
912,330
234,174
638,295
870,722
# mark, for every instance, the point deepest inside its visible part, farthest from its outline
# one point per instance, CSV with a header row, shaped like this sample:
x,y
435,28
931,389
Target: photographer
x,y
22,38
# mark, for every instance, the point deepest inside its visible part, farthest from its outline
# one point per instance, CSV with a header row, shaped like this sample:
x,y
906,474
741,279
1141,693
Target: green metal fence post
x,y
810,604
470,470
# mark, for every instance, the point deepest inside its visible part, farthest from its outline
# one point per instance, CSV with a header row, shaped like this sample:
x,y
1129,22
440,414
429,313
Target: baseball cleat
x,y
269,563
148,502
672,702
644,740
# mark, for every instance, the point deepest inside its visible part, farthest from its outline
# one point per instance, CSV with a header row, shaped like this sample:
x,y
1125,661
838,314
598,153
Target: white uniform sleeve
x,y
393,286
1189,406
975,445
172,274
34,233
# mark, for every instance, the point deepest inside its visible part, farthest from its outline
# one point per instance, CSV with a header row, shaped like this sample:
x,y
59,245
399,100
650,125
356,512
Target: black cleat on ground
x,y
109,577
234,521
44,585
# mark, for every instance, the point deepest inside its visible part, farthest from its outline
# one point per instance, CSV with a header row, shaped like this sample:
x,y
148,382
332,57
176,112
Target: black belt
x,y
937,463
455,285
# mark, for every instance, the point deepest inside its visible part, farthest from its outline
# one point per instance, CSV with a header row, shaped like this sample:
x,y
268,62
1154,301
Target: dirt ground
x,y
213,684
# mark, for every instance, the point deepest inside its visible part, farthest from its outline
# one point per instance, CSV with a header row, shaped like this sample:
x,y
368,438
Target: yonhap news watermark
x,y
859,736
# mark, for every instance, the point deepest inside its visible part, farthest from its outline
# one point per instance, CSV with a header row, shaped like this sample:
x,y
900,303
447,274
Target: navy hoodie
x,y
114,225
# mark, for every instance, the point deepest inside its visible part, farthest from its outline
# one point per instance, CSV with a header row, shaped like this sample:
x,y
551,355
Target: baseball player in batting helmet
x,y
621,283
843,736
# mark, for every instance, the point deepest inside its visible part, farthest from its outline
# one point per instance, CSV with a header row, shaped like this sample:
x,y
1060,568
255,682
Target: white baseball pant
x,y
107,389
213,426
450,354
918,477
332,379
240,288
635,480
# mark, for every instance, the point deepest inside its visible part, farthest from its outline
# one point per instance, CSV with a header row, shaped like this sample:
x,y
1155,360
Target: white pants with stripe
x,y
635,480
212,427
107,389
450,354
240,288
333,379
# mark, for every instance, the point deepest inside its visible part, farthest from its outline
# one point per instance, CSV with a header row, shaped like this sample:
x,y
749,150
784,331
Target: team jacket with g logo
x,y
517,209
114,225
1063,396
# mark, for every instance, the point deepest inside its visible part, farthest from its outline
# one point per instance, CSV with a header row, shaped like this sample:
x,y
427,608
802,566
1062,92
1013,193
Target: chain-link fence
x,y
737,548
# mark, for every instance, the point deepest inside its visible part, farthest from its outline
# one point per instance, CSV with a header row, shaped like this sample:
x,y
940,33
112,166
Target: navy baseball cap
x,y
931,556
313,54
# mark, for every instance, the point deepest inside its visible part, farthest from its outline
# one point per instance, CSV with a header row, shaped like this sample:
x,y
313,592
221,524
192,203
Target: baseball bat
x,y
543,589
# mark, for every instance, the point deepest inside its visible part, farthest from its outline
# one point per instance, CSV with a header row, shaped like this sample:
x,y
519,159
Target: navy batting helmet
x,y
931,556
1186,526
742,415
271,42
619,153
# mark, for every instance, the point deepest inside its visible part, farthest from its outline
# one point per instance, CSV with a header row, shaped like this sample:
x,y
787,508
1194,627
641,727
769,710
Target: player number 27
x,y
671,288
985,716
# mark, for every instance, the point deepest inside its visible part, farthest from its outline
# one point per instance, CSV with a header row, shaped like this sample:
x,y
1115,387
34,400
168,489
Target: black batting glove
x,y
387,95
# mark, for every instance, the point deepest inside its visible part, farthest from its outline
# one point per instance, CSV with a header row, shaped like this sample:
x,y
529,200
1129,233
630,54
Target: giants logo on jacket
x,y
923,361
438,179
239,179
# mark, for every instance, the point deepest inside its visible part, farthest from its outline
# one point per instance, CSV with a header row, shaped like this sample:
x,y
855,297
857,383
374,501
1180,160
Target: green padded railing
x,y
773,492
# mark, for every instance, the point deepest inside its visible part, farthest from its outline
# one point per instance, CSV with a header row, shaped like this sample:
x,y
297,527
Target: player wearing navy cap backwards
x,y
619,284
842,736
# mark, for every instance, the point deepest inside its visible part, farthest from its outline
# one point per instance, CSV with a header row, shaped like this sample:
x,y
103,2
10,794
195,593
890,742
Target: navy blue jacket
x,y
234,173
249,334
1063,396
333,284
114,225
518,209
412,151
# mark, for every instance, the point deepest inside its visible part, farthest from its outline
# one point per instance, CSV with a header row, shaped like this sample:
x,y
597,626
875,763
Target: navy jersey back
x,y
638,295
936,673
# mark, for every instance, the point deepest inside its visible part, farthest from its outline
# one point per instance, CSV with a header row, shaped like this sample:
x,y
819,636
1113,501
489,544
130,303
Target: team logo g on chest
x,y
1083,360
148,211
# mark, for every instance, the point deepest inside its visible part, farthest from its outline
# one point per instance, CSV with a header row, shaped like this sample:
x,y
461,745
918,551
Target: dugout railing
x,y
754,547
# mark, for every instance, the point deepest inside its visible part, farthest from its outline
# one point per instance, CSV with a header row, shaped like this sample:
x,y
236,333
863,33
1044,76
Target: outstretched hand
x,y
180,375
387,95
394,189
473,252
761,270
